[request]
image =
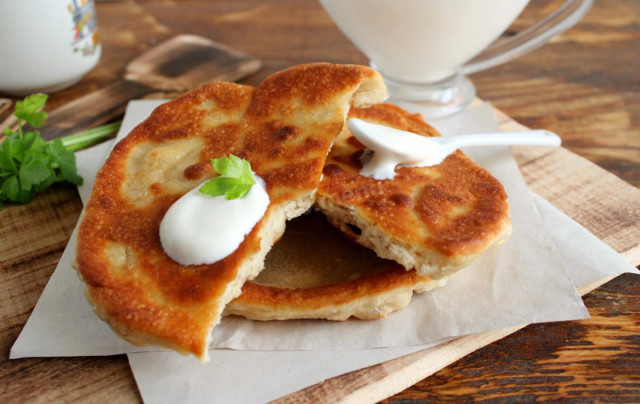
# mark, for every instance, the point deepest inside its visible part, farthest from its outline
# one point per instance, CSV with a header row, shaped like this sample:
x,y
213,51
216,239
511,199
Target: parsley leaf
x,y
34,171
30,110
10,188
7,151
28,163
66,162
235,180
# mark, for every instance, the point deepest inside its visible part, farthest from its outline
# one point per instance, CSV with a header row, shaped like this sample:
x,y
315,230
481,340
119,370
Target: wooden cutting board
x,y
579,188
32,237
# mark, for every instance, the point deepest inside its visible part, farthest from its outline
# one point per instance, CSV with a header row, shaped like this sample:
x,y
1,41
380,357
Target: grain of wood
x,y
586,203
96,380
555,361
40,227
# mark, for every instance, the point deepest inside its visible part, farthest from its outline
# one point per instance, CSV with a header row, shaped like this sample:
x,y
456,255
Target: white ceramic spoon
x,y
392,147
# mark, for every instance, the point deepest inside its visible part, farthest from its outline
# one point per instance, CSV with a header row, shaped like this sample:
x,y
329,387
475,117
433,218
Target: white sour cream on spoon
x,y
392,147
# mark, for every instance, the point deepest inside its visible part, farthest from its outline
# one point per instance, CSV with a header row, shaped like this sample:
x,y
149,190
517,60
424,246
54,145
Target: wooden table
x,y
584,85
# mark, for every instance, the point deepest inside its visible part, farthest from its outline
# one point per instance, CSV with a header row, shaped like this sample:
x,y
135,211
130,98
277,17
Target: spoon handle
x,y
524,138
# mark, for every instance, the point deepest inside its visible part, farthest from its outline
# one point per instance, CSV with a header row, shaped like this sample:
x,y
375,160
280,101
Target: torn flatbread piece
x,y
434,219
284,128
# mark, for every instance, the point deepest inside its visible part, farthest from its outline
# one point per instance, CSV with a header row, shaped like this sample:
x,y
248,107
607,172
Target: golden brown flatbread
x,y
284,128
435,218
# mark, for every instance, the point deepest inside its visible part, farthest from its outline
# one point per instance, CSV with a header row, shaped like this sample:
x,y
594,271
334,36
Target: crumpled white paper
x,y
521,283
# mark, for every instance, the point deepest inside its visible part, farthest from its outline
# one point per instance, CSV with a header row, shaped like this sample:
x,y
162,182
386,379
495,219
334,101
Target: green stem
x,y
89,137
19,128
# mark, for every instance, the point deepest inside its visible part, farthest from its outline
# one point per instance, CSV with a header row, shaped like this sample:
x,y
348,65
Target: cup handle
x,y
531,38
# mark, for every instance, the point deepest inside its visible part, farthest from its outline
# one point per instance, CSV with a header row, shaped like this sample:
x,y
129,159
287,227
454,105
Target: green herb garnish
x,y
29,164
235,180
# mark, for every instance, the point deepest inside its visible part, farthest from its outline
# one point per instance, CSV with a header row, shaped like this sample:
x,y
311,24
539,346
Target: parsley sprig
x,y
235,180
29,164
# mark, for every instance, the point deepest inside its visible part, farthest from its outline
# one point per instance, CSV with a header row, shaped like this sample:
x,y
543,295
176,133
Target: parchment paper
x,y
522,282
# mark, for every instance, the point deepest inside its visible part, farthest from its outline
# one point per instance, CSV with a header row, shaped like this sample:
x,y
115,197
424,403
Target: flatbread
x,y
435,219
440,218
284,128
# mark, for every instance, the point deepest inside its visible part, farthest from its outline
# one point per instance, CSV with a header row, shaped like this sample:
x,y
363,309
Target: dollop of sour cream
x,y
202,229
392,147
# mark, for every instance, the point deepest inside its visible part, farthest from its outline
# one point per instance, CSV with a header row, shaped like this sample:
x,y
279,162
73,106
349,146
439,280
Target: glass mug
x,y
46,45
422,48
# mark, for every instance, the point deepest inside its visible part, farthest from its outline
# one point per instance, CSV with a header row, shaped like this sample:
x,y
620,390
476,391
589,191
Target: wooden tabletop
x,y
584,85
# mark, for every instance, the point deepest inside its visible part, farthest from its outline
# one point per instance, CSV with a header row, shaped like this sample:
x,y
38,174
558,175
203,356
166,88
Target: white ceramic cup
x,y
422,48
46,45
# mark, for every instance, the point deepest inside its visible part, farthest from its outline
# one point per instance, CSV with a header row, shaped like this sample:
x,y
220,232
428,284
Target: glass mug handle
x,y
531,38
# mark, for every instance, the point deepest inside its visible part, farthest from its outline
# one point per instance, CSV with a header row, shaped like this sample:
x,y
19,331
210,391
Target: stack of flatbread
x,y
386,239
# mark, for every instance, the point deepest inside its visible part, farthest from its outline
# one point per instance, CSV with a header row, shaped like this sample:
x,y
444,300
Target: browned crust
x,y
312,298
145,296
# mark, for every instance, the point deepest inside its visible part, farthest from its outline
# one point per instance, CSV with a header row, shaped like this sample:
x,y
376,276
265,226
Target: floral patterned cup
x,y
46,45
